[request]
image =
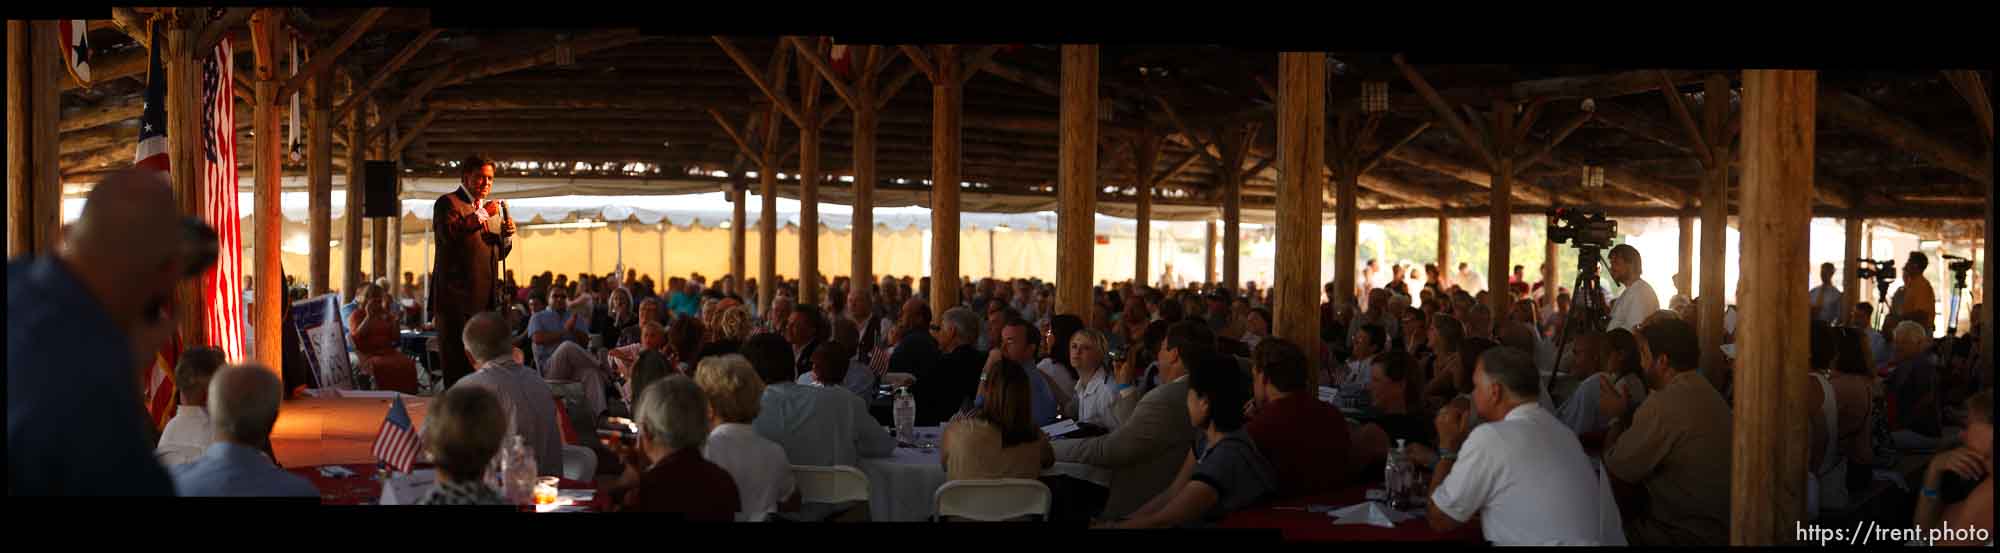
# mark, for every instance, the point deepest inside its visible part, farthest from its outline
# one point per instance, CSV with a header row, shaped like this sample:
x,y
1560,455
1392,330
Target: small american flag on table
x,y
397,444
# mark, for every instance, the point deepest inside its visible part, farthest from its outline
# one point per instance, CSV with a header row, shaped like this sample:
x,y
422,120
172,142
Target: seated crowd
x,y
1537,430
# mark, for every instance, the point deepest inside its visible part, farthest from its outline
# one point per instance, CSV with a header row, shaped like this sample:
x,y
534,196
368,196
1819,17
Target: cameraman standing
x,y
1638,300
1916,301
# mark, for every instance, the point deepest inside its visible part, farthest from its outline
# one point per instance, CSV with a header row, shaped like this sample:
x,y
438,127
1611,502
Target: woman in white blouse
x,y
1095,389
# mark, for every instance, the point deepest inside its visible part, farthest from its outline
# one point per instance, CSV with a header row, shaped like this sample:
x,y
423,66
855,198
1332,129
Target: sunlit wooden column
x,y
319,183
1301,161
185,151
1076,210
767,231
1208,251
1770,394
269,218
809,181
1347,215
1146,152
1714,224
34,180
947,110
862,243
1684,277
738,188
1850,265
1501,204
357,179
1445,274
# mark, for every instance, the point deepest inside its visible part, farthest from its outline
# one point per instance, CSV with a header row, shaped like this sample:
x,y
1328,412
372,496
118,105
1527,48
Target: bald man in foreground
x,y
81,326
243,403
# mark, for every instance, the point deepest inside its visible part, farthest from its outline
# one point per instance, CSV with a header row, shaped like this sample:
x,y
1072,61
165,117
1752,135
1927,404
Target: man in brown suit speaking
x,y
472,238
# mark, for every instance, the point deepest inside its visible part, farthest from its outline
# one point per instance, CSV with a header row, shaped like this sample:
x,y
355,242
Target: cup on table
x,y
545,490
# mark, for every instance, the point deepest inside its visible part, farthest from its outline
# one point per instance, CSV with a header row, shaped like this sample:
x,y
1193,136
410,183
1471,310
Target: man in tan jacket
x,y
1145,452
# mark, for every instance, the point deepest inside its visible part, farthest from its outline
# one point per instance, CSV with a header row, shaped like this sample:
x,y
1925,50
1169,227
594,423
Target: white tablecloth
x,y
903,486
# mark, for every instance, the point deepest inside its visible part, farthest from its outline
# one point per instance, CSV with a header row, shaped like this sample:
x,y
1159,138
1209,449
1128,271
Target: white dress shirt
x,y
1094,397
763,475
1828,299
821,426
186,437
1527,479
1633,306
531,409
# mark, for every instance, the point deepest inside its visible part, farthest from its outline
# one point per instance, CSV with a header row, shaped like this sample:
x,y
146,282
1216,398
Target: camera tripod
x,y
1948,347
1587,310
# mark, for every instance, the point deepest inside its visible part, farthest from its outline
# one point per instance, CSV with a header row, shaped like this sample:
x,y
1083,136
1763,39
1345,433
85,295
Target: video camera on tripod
x,y
1590,233
1958,266
1882,271
1581,228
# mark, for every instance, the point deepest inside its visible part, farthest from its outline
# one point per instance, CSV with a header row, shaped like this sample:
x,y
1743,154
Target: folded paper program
x,y
1371,513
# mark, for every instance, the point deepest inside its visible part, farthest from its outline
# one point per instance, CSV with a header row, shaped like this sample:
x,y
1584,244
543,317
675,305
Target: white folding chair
x,y
579,463
836,486
993,500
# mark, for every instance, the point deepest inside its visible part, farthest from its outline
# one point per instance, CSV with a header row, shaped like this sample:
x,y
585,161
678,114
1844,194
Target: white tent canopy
x,y
708,210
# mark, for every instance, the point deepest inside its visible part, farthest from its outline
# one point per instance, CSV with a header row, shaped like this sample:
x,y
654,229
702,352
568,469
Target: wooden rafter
x,y
1900,133
1542,155
1678,106
1444,112
388,69
1969,85
1369,163
415,131
774,94
921,60
324,58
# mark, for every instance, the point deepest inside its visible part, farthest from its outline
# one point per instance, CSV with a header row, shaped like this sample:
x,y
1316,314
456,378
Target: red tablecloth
x,y
363,488
1301,525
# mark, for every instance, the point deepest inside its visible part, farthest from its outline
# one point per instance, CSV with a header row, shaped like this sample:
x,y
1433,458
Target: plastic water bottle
x,y
518,473
906,415
1395,478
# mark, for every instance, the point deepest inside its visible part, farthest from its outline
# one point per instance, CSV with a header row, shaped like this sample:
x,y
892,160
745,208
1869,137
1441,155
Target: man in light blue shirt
x,y
243,402
1017,345
816,426
548,328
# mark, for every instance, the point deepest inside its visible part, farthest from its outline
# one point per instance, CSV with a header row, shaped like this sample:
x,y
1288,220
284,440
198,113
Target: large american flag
x,y
397,444
152,155
221,288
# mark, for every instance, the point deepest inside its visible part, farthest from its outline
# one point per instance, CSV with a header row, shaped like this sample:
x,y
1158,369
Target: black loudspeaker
x,y
380,198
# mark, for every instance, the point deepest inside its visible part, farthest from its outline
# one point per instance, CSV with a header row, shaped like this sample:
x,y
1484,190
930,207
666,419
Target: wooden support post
x,y
1684,278
947,111
1347,213
1232,208
391,241
1301,159
1208,252
1498,258
1076,209
737,190
1550,272
1986,337
1850,278
767,229
1778,112
862,242
1445,272
1714,224
34,182
357,177
809,179
809,176
269,287
182,62
319,183
1145,152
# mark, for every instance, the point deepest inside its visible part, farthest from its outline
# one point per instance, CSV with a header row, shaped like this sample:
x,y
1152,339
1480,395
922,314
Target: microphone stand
x,y
500,262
